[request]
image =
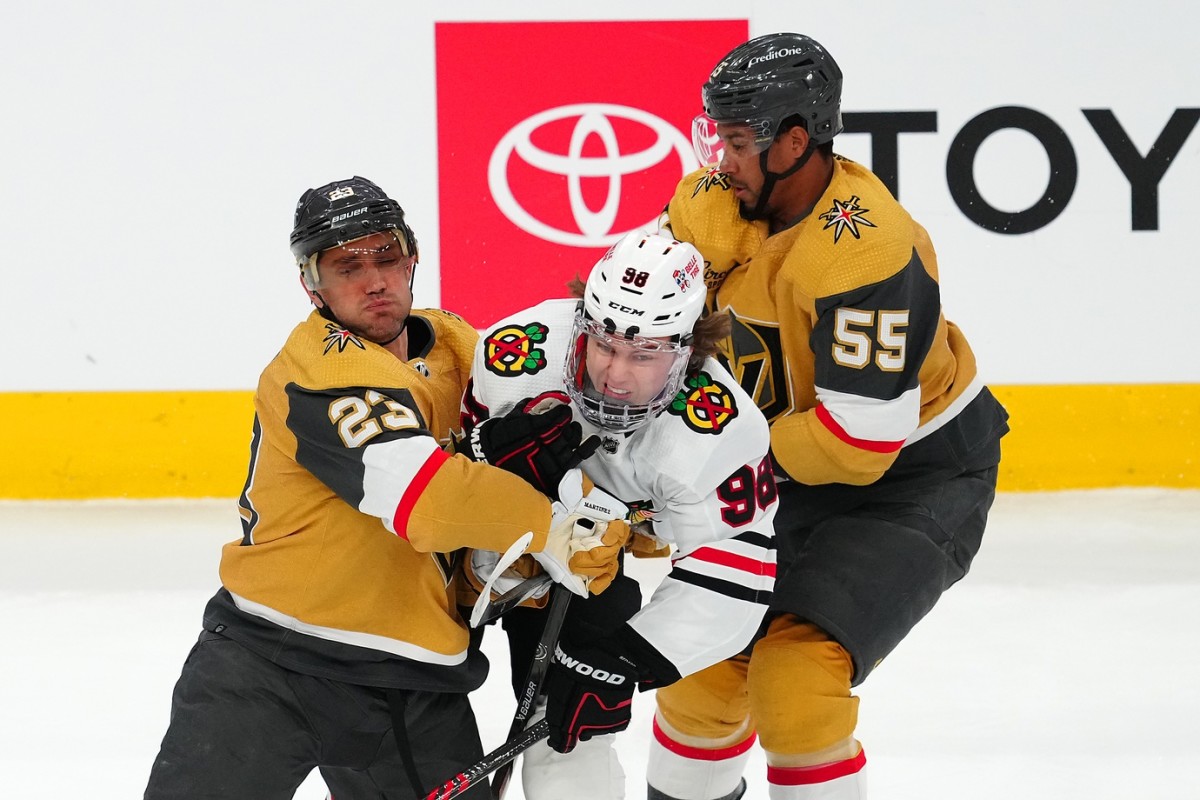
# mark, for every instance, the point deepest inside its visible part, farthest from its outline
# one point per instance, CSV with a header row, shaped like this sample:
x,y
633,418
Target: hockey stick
x,y
504,754
527,702
481,615
520,738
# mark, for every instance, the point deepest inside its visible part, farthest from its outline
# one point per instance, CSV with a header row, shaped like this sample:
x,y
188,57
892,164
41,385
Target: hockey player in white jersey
x,y
684,447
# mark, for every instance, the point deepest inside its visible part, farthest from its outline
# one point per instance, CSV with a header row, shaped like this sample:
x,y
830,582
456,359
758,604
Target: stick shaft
x,y
560,598
510,599
502,755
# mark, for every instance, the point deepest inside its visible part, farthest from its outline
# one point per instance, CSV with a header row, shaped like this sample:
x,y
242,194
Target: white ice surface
x,y
1063,666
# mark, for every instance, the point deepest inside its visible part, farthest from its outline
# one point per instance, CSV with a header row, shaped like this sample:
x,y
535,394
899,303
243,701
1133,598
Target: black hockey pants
x,y
242,726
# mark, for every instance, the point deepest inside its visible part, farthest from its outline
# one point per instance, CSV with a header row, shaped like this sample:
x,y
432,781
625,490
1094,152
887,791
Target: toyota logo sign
x,y
591,119
549,150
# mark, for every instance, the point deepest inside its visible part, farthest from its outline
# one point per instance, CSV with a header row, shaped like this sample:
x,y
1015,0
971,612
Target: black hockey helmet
x,y
770,78
340,212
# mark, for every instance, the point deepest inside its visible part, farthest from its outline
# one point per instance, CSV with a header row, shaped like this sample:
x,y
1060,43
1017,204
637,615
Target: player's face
x,y
740,161
742,164
366,284
626,373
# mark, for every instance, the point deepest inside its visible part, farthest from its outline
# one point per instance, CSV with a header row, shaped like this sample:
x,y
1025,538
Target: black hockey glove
x,y
541,448
589,688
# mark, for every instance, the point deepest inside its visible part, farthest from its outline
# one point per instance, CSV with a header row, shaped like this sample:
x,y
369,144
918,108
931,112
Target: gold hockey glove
x,y
579,523
644,544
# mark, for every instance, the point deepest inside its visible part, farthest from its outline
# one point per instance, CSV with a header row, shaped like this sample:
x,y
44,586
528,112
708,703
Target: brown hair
x,y
707,333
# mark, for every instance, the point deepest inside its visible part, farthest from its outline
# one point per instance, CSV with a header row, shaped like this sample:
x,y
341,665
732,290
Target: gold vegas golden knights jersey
x,y
838,332
351,509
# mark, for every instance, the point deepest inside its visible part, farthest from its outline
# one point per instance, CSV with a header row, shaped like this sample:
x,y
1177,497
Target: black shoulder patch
x,y
877,336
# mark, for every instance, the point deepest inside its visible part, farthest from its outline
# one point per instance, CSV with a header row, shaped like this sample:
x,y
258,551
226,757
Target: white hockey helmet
x,y
632,335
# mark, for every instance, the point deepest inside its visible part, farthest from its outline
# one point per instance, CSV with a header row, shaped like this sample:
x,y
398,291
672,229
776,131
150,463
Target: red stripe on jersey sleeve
x,y
415,488
837,430
726,559
699,753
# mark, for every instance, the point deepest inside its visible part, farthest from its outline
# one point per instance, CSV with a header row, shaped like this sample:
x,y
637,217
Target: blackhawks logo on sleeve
x,y
514,349
703,404
640,511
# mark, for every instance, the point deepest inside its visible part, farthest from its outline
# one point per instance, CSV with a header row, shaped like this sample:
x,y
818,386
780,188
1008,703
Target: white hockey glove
x,y
587,532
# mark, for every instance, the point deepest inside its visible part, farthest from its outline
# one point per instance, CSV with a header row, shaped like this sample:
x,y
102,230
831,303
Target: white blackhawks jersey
x,y
698,473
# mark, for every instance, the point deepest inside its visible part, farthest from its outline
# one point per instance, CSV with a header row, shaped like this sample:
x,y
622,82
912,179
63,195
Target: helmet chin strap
x,y
324,310
770,179
403,325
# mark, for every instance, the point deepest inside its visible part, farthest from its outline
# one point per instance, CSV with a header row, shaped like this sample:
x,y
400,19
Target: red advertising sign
x,y
554,139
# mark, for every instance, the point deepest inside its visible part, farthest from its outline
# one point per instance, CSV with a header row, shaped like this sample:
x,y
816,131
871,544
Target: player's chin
x,y
747,210
381,331
747,197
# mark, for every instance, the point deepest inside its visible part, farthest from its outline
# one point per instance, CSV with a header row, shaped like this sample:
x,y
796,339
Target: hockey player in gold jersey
x,y
334,641
885,440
